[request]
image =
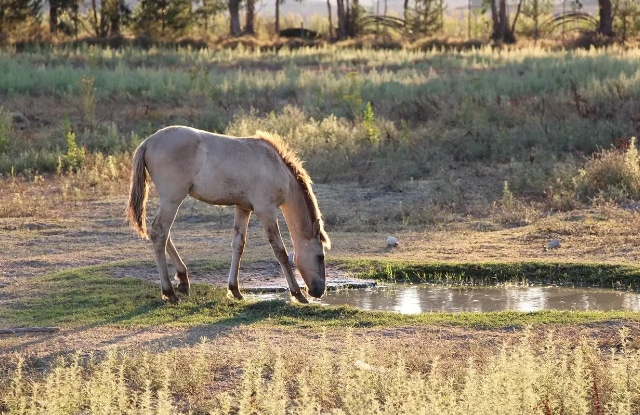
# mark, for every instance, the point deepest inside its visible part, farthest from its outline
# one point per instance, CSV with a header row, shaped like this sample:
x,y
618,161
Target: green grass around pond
x,y
615,276
90,296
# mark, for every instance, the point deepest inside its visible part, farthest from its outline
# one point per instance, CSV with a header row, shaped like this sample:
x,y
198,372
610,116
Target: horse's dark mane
x,y
294,164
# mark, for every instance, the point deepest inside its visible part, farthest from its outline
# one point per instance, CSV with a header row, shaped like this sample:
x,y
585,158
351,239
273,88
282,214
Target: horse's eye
x,y
321,258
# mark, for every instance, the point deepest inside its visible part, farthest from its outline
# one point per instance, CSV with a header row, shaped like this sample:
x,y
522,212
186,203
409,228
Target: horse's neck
x,y
297,215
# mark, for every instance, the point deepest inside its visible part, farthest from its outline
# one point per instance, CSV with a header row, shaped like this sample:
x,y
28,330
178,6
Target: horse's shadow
x,y
193,312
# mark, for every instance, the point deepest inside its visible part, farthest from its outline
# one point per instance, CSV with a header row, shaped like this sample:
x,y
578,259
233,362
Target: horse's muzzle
x,y
316,290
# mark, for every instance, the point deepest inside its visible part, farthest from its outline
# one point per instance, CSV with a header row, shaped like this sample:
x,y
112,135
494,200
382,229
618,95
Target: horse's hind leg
x,y
181,269
241,222
159,235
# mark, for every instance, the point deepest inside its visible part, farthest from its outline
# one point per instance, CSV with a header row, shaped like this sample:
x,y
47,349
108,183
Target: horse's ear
x,y
316,228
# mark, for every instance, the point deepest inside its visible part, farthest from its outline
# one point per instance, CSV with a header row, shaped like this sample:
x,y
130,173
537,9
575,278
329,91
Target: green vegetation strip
x,y
616,276
90,296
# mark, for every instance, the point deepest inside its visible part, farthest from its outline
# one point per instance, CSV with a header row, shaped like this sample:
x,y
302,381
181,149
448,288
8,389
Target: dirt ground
x,y
79,232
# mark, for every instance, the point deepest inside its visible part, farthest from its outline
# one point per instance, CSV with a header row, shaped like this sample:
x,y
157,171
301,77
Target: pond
x,y
422,298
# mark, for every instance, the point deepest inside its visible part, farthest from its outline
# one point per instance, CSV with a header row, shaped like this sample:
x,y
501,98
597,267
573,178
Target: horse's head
x,y
309,259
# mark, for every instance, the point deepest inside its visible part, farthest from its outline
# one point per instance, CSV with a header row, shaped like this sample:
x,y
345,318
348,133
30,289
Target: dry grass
x,y
392,371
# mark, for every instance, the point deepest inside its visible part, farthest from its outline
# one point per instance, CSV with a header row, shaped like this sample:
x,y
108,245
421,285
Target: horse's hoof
x,y
299,297
183,288
170,298
234,294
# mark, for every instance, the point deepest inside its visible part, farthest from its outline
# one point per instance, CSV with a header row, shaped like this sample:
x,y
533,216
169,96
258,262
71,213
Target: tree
x,y
502,32
425,17
535,9
626,13
106,18
15,12
249,17
162,18
330,19
57,9
207,9
234,14
349,13
605,27
342,11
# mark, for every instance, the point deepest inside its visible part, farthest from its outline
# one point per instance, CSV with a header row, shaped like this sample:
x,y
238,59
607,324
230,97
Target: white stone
x,y
553,244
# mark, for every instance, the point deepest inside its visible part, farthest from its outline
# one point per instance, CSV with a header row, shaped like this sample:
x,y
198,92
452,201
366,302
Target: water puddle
x,y
415,299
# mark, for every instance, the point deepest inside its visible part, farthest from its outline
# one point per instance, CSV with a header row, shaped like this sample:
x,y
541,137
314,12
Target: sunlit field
x,y
474,159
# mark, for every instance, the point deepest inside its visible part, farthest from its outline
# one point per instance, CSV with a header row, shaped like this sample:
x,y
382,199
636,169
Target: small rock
x,y
553,244
293,264
392,242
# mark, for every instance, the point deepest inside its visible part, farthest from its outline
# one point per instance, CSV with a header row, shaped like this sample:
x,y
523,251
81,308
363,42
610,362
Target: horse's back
x,y
215,168
172,157
240,171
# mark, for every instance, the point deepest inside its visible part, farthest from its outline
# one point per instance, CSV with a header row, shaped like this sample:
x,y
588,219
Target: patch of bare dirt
x,y
68,233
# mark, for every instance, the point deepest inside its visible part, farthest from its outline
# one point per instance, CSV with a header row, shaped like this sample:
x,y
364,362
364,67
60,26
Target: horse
x,y
255,174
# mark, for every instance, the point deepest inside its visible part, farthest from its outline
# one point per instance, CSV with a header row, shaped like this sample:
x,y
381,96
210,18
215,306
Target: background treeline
x,y
37,20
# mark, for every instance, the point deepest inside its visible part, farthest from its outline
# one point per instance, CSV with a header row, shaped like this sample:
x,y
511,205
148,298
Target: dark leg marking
x,y
183,285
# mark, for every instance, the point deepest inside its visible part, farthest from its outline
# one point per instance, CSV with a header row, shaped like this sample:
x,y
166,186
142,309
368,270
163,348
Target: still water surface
x,y
415,299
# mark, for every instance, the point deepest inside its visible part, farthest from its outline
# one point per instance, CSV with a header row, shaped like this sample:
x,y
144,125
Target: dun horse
x,y
257,174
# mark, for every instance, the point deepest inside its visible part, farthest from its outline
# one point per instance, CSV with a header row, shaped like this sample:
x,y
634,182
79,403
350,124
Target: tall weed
x,y
530,375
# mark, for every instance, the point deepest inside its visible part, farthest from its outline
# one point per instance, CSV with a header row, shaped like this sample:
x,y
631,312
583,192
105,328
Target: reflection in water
x,y
415,299
408,301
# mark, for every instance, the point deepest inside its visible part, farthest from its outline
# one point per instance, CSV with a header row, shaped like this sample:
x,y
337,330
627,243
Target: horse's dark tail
x,y
139,190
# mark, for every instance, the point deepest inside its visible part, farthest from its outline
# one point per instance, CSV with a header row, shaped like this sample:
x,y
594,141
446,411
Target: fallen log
x,y
17,330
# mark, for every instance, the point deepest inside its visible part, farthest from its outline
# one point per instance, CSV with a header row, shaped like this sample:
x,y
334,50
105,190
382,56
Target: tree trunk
x,y
234,14
495,19
405,11
605,27
53,16
501,30
114,19
342,20
94,19
106,10
251,12
330,20
355,18
502,17
278,17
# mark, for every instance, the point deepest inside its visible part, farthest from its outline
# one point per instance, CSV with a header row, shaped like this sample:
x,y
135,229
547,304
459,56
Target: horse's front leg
x,y
269,222
241,223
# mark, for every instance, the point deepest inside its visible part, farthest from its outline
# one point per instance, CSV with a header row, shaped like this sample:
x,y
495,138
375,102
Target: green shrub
x,y
5,128
73,159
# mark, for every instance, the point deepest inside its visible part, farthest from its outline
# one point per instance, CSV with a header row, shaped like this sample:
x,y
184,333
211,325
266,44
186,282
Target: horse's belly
x,y
226,199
